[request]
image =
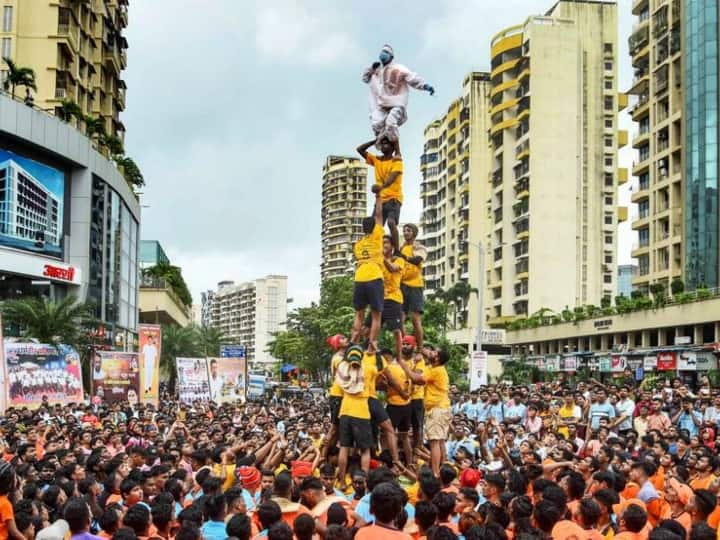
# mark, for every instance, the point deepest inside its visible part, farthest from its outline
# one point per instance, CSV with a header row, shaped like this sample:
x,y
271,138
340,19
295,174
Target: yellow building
x,y
655,46
553,175
77,50
455,158
344,204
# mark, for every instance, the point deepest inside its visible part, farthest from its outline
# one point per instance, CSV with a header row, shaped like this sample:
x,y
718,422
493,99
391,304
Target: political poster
x,y
116,377
36,371
478,370
227,378
150,347
192,379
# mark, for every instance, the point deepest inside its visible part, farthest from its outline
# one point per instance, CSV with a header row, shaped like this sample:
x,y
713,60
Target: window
x,y
608,200
608,122
608,65
609,180
609,161
607,278
608,141
608,84
608,219
7,19
608,259
608,239
644,265
608,47
643,237
609,103
644,208
6,48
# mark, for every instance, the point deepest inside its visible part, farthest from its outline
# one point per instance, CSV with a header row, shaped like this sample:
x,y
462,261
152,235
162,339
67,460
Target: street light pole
x,y
481,260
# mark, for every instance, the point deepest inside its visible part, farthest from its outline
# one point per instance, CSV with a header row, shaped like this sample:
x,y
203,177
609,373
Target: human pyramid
x,y
388,283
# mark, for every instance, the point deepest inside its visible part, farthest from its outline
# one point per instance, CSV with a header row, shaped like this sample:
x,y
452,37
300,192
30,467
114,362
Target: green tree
x,y
69,110
183,342
66,321
114,145
210,339
173,276
131,172
94,126
19,76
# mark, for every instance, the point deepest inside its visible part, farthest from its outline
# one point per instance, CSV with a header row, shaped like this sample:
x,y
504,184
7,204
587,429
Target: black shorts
x,y
335,403
413,301
391,316
355,433
391,209
417,414
369,293
400,416
377,413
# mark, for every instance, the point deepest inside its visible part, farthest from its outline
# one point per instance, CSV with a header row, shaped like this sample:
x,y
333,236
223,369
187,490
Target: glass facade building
x,y
702,228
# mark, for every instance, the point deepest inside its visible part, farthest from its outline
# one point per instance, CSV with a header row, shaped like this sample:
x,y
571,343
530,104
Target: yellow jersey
x,y
383,364
369,254
419,366
335,390
392,280
356,405
412,274
437,386
398,373
383,169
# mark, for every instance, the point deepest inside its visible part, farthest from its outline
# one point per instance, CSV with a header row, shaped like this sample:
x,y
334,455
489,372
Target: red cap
x,y
409,340
470,478
374,464
248,476
334,341
300,469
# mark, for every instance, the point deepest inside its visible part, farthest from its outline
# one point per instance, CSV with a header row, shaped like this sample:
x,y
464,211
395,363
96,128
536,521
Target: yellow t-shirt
x,y
412,274
369,254
419,366
383,169
229,475
397,372
372,391
392,280
437,386
356,405
335,390
566,412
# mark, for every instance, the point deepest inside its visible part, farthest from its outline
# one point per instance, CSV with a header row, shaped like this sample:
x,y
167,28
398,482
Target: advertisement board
x,y
32,197
150,347
667,361
116,377
192,379
34,371
256,386
227,379
478,370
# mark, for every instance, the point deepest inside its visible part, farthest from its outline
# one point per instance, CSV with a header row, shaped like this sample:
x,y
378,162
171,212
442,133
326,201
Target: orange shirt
x,y
658,479
714,518
6,514
627,535
631,490
566,529
378,532
685,520
703,483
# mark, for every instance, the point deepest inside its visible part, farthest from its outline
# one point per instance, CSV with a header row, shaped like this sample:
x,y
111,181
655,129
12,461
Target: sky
x,y
232,107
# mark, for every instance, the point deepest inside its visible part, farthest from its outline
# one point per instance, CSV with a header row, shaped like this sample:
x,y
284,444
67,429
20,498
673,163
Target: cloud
x,y
289,32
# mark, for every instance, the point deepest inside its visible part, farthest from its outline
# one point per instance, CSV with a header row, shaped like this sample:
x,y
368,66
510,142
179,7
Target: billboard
x,y
227,379
256,386
150,347
478,370
31,205
116,377
34,371
192,379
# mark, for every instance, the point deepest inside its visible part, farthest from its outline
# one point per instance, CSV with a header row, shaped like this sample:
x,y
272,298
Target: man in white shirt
x,y
216,382
149,352
624,409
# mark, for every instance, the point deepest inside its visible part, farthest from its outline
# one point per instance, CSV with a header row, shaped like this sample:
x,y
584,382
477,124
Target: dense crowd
x,y
523,462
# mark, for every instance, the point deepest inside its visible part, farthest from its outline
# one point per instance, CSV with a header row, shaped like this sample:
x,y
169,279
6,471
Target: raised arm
x,y
416,378
363,148
378,210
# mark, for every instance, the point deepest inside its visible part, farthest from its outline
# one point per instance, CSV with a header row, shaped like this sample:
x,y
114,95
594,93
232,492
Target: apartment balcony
x,y
69,36
622,137
158,304
641,107
639,5
641,138
643,220
622,101
639,192
639,249
640,82
639,37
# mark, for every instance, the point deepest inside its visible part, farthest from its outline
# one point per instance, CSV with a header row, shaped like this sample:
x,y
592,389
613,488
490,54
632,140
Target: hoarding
x,y
227,379
256,386
116,377
478,370
193,382
37,370
31,205
150,347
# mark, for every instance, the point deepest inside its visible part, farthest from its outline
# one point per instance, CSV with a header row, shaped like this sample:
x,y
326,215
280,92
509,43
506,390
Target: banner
x,y
227,379
193,382
35,371
650,362
618,363
667,361
256,386
478,370
150,347
116,377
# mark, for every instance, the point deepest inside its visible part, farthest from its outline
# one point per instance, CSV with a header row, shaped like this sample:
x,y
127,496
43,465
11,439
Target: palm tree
x,y
19,76
177,342
210,340
49,322
459,294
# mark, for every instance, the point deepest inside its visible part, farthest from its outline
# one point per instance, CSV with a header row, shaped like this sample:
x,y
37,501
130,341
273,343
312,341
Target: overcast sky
x,y
233,105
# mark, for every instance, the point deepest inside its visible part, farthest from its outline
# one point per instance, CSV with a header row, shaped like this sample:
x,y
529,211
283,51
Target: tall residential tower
x,y
344,204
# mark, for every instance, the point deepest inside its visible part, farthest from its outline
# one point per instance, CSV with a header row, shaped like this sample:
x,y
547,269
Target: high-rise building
x,y
674,49
626,273
77,50
248,314
454,166
344,204
554,137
